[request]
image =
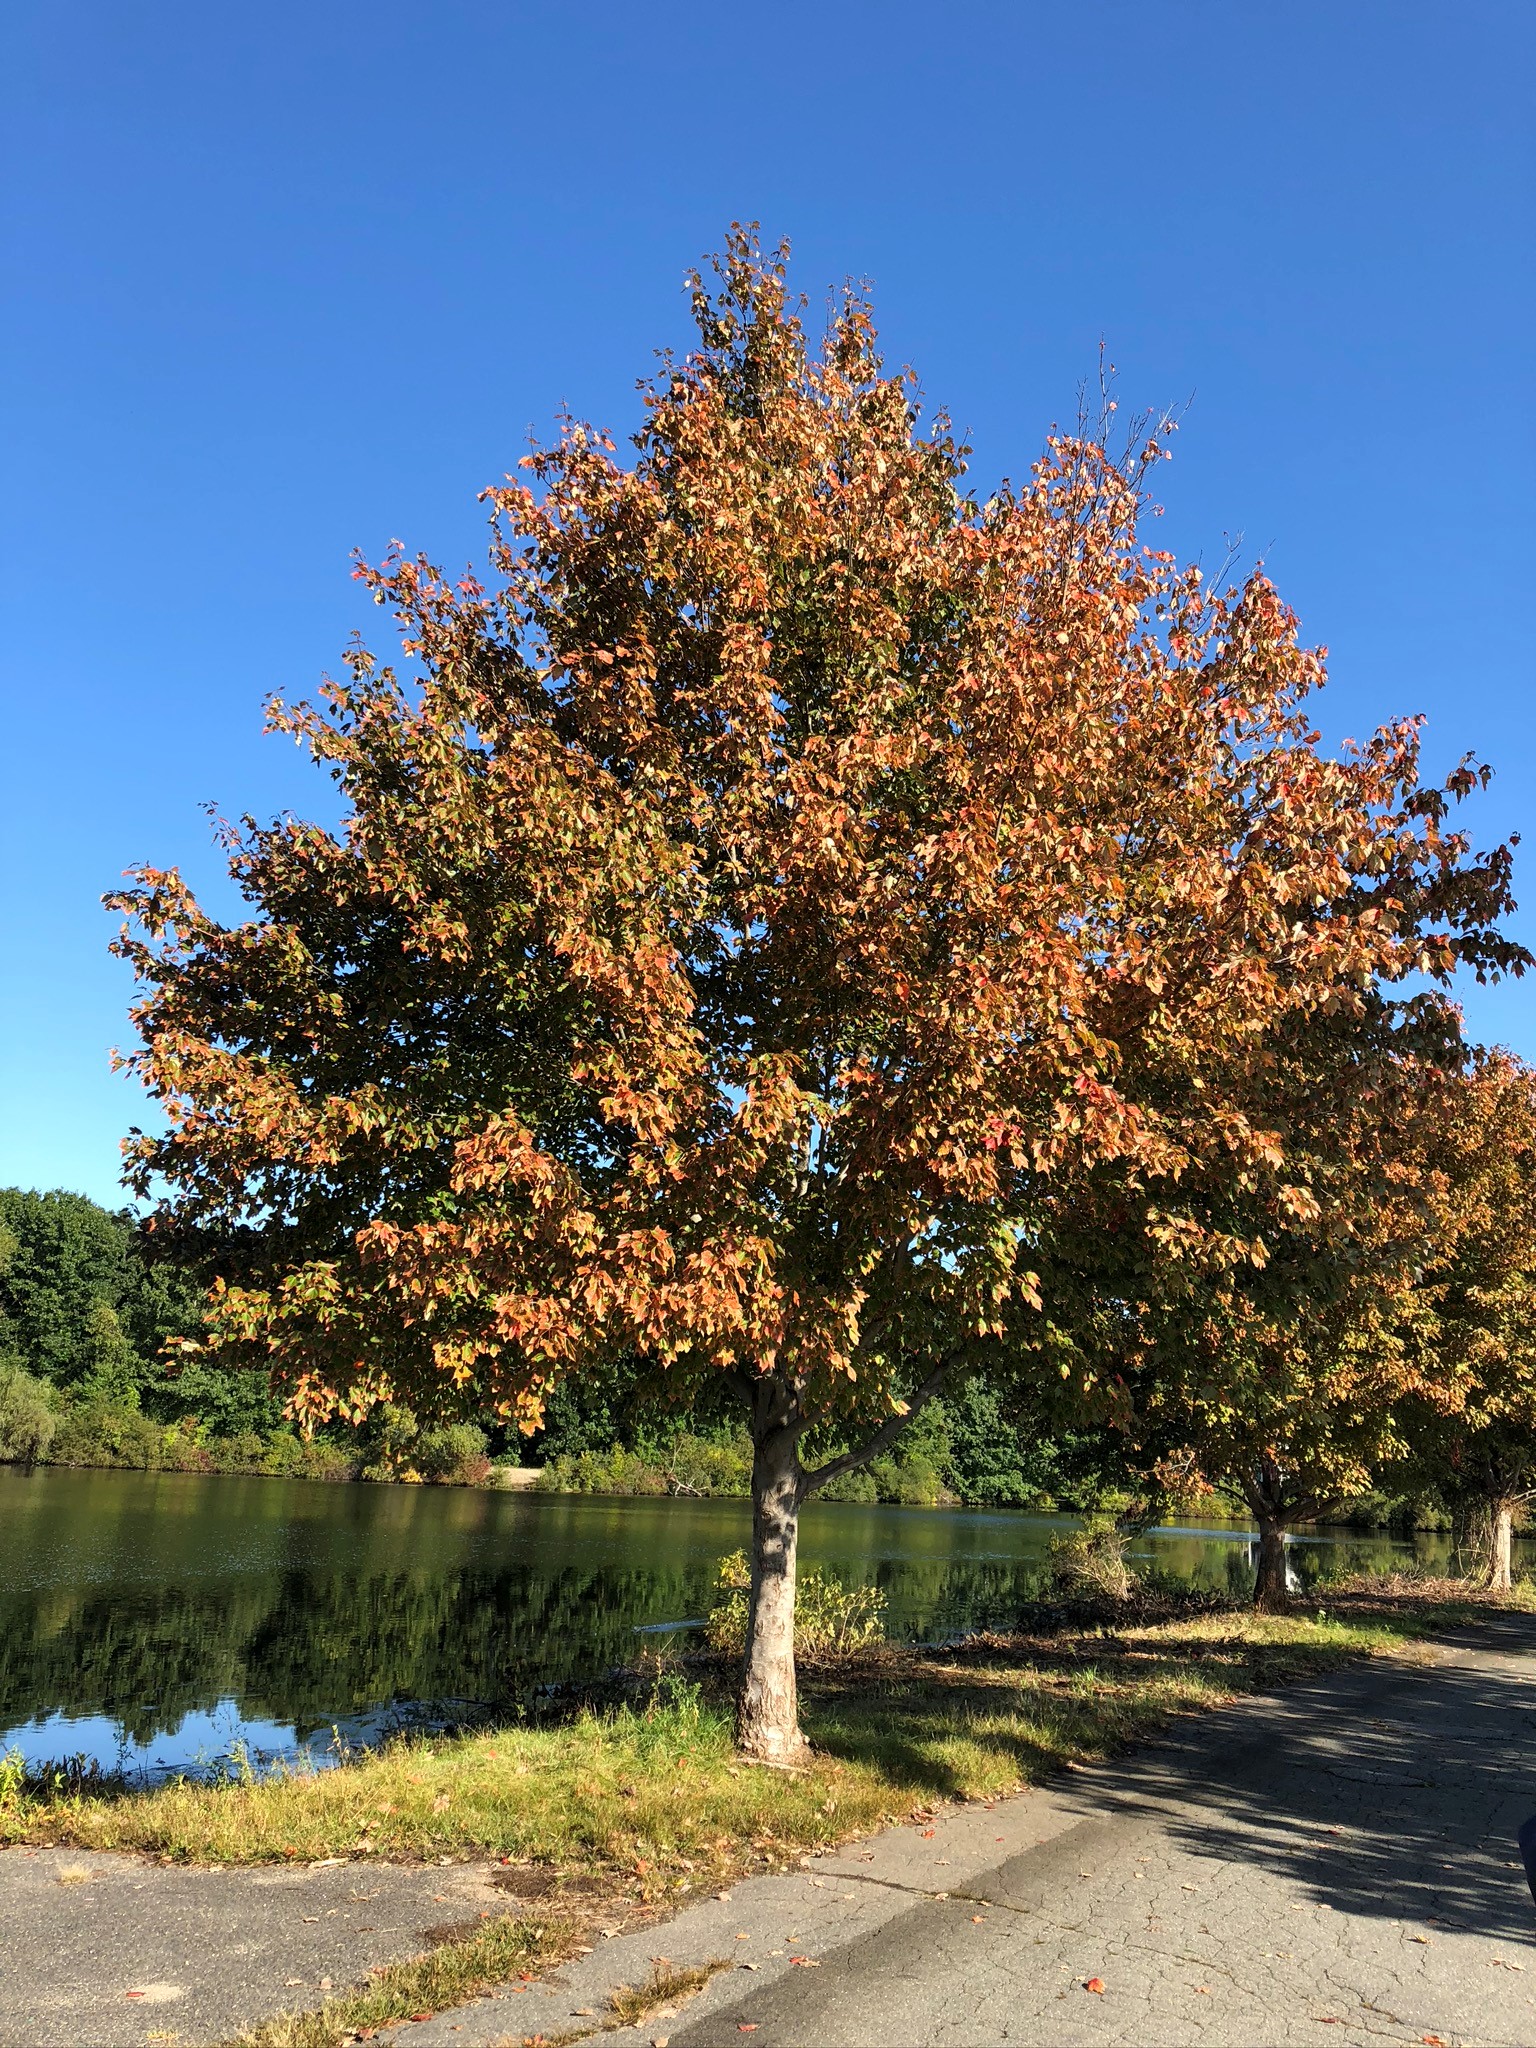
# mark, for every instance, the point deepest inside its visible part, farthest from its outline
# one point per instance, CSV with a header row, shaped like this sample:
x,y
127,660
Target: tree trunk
x,y
1271,1593
767,1710
1501,1530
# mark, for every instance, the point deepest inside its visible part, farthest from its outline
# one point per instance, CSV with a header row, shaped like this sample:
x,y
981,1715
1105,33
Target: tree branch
x,y
887,1433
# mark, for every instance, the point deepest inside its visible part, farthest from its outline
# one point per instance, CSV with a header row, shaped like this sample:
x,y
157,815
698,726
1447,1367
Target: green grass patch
x,y
447,1976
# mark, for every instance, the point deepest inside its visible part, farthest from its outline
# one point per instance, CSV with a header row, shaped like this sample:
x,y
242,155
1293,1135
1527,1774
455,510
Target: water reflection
x,y
153,1620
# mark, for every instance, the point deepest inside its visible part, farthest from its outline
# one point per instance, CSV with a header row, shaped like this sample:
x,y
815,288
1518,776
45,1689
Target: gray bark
x,y
1271,1594
1501,1546
767,1709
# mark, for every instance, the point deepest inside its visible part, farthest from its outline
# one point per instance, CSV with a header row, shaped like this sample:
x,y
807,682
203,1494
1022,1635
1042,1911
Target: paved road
x,y
106,1951
1333,1865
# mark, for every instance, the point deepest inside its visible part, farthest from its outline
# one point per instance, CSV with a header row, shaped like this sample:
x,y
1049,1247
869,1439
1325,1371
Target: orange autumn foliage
x,y
779,871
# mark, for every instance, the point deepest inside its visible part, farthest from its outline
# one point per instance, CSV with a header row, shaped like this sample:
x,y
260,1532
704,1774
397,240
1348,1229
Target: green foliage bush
x,y
705,1467
831,1619
454,1452
100,1432
27,1420
97,1433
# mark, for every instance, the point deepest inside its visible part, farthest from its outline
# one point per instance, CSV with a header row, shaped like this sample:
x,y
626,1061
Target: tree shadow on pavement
x,y
1389,1789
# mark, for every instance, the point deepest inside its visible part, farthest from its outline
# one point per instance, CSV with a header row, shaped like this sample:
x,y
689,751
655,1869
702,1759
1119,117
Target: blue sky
x,y
293,279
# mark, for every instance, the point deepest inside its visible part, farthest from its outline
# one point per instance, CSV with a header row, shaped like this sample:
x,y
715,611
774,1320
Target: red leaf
x,y
1094,1984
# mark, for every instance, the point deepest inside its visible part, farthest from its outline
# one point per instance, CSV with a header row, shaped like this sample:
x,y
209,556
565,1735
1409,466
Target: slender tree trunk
x,y
1271,1593
1501,1532
767,1710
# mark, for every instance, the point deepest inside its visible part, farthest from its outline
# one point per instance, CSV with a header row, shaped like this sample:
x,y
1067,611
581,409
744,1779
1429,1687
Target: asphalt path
x,y
1334,1864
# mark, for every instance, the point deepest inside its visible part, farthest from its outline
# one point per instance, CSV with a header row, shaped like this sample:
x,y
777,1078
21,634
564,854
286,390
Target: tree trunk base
x,y
774,1754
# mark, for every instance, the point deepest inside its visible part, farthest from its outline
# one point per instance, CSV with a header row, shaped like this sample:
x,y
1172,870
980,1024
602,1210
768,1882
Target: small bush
x,y
27,1420
689,1465
831,1619
442,1453
101,1433
1091,1562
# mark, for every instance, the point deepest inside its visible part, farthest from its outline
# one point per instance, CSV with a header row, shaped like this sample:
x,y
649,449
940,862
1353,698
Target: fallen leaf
x,y
1432,2041
746,1966
1094,1984
804,1963
746,2026
441,1803
977,1918
1204,1990
927,1832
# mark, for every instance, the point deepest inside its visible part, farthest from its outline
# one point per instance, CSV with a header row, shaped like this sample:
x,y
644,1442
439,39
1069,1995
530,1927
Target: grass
x,y
614,1815
447,1976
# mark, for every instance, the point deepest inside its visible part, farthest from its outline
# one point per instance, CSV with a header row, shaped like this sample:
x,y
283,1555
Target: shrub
x,y
100,1433
713,1469
27,1420
831,1619
1091,1561
443,1453
392,1432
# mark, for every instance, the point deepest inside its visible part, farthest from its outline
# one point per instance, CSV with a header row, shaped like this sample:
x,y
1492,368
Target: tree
x,y
748,904
27,1419
1272,1329
79,1300
1477,1291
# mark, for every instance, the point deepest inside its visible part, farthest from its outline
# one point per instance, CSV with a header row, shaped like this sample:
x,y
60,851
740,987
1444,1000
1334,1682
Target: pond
x,y
149,1621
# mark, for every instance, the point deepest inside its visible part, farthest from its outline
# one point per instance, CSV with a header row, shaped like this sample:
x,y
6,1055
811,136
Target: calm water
x,y
152,1619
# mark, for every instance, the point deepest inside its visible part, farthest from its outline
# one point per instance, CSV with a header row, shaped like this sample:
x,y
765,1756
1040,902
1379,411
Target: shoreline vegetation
x,y
630,1798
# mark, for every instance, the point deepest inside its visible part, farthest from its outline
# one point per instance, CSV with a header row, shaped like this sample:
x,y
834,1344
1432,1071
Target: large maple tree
x,y
783,868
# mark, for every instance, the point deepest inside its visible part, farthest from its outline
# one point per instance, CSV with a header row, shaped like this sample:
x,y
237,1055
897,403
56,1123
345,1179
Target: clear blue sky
x,y
290,279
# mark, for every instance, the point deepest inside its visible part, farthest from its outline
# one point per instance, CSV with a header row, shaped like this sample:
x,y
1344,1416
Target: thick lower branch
x,y
883,1437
